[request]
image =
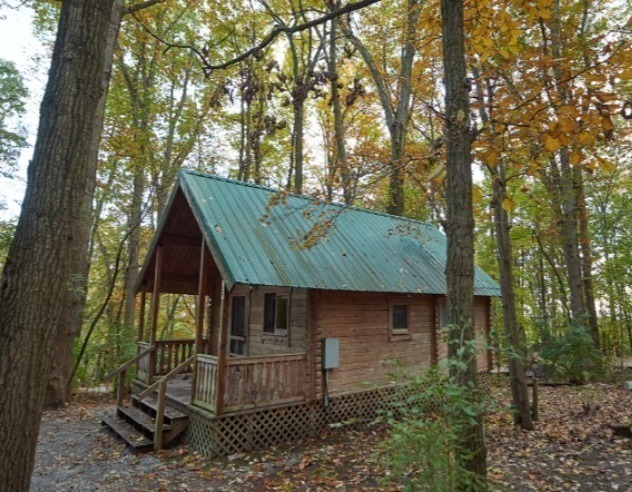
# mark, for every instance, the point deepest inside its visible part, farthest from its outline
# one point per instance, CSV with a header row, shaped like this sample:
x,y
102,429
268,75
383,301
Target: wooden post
x,y
202,289
200,315
211,336
120,392
221,350
436,323
141,313
155,309
488,334
160,414
535,401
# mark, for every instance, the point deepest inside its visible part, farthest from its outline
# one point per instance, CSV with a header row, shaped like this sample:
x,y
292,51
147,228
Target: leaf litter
x,y
573,448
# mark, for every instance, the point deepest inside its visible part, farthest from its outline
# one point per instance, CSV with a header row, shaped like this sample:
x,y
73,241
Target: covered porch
x,y
246,383
210,370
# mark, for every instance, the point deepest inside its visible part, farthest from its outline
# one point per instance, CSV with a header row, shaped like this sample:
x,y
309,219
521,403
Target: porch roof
x,y
259,236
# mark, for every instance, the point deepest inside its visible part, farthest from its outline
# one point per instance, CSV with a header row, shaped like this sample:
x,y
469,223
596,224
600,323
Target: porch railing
x,y
168,355
251,381
171,353
142,369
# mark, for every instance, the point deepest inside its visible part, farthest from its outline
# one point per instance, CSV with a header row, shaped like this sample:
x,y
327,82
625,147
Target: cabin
x,y
300,305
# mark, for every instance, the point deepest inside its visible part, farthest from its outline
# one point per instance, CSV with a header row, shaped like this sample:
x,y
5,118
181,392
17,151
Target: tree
x,y
12,96
53,225
460,229
395,99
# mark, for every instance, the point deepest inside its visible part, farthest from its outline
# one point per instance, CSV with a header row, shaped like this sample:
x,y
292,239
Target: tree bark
x,y
339,134
586,257
517,374
37,276
460,231
396,116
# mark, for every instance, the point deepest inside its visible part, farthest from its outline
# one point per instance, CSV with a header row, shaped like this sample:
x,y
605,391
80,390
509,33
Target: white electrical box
x,y
331,353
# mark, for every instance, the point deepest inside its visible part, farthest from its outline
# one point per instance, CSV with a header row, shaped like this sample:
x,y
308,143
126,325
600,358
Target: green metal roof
x,y
254,243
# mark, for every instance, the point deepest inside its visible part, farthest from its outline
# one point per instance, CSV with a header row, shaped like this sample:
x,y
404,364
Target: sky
x,y
19,45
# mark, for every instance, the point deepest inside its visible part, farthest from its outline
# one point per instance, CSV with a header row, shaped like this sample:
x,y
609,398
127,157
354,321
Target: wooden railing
x,y
205,391
142,369
122,370
171,353
161,386
251,381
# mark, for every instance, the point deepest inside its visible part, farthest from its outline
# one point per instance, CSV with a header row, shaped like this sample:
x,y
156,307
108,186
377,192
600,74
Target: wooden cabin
x,y
300,305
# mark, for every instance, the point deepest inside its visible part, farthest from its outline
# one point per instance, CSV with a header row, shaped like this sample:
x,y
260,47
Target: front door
x,y
238,326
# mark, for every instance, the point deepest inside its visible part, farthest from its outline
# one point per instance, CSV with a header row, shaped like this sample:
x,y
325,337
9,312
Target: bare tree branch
x,y
140,6
279,29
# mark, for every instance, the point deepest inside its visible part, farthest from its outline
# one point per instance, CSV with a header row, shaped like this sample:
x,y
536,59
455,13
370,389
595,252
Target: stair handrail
x,y
150,389
161,384
126,365
120,391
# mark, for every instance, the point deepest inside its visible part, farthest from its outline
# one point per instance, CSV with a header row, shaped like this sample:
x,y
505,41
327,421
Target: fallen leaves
x,y
573,448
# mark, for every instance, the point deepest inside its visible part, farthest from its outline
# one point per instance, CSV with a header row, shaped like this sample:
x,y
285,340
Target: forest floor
x,y
572,449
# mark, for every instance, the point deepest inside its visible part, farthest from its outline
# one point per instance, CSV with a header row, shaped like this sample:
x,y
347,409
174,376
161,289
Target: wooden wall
x,y
260,343
362,323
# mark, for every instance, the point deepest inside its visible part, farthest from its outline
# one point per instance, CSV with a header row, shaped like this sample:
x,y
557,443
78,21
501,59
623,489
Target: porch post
x,y
141,313
155,309
221,353
201,300
199,321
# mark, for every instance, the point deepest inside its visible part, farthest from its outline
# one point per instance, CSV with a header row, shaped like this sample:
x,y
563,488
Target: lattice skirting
x,y
229,434
261,429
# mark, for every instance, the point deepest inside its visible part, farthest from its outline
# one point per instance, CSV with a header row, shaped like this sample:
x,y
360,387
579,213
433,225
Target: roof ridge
x,y
306,197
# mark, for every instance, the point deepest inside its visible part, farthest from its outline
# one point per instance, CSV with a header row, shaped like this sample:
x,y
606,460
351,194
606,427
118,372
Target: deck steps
x,y
136,425
134,438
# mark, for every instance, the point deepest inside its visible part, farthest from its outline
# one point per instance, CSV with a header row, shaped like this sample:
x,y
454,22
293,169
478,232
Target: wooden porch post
x,y
155,309
200,315
221,353
202,289
141,313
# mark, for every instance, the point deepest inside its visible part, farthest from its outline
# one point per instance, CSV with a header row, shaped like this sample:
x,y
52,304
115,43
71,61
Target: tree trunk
x,y
133,249
460,229
586,257
61,176
518,378
570,239
299,118
339,134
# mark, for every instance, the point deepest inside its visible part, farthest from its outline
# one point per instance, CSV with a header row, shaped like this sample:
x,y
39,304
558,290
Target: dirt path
x,y
573,449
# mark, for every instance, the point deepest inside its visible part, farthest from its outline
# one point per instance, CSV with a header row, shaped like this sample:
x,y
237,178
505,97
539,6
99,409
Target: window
x,y
238,326
275,315
399,318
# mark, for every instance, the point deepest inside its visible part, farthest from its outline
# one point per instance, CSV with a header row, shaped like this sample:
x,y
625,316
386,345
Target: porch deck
x,y
179,388
242,383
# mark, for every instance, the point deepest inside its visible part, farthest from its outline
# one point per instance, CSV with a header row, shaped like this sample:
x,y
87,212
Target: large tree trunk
x,y
299,119
133,248
36,277
518,378
460,229
587,261
396,116
339,134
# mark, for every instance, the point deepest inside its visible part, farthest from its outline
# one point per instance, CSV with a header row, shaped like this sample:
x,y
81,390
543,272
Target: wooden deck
x,y
179,388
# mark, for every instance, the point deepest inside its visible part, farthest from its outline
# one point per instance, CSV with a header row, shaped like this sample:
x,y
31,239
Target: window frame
x,y
276,331
399,334
238,338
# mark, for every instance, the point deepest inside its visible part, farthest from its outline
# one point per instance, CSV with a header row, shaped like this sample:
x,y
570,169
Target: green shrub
x,y
422,451
573,356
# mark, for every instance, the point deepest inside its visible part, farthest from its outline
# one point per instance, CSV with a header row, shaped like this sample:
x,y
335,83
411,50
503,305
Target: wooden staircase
x,y
149,422
136,423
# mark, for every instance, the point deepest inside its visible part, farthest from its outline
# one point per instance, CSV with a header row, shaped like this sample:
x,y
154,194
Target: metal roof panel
x,y
362,250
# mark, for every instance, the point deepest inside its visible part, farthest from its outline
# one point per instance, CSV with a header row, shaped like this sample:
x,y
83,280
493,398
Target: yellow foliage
x,y
552,144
